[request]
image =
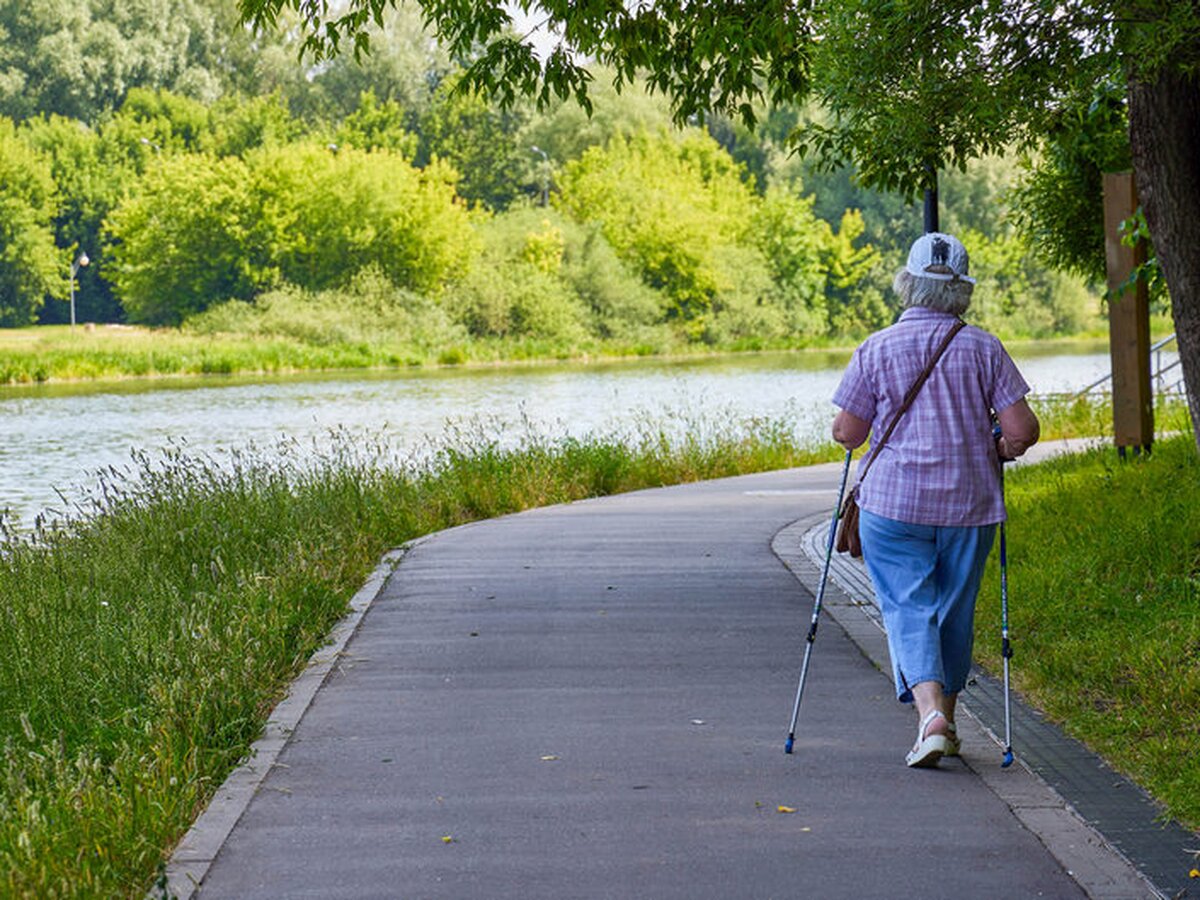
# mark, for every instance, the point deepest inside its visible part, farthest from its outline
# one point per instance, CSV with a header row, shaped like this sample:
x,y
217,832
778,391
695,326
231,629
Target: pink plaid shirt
x,y
939,467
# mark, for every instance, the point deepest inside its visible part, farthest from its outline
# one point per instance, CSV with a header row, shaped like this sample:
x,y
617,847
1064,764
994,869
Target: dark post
x,y
1128,322
931,202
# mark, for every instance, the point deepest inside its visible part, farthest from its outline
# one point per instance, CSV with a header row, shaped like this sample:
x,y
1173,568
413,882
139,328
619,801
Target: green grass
x,y
144,642
1104,590
1091,416
58,353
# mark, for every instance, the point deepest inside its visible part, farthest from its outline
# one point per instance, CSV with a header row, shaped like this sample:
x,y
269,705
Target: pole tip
x,y
1008,759
787,747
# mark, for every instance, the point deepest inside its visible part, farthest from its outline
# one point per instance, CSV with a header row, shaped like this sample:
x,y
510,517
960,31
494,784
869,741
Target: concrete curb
x,y
194,854
1086,855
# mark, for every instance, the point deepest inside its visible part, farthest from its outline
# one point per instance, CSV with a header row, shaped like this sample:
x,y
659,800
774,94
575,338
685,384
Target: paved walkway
x,y
591,701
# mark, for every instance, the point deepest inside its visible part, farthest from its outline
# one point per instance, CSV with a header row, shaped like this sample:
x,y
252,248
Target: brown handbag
x,y
847,540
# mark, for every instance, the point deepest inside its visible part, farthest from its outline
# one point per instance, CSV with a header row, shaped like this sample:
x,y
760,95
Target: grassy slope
x,y
1104,587
56,353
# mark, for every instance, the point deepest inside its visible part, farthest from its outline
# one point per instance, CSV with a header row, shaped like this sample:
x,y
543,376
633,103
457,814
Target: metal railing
x,y
1162,384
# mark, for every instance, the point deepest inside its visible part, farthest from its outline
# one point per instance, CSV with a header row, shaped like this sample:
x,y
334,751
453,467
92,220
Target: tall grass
x,y
1104,583
272,344
1091,415
145,638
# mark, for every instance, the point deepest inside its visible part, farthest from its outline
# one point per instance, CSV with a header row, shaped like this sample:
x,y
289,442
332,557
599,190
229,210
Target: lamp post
x,y
80,261
545,174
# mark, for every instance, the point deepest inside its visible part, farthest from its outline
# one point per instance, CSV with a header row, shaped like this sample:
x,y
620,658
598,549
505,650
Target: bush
x,y
665,204
331,214
189,236
370,310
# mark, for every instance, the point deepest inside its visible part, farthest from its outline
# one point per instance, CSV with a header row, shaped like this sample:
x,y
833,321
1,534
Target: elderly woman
x,y
929,505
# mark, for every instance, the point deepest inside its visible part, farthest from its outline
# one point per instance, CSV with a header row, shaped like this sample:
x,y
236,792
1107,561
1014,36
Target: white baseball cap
x,y
937,249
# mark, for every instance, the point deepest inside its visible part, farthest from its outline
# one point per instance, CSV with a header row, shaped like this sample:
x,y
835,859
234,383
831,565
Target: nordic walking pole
x,y
812,628
1005,645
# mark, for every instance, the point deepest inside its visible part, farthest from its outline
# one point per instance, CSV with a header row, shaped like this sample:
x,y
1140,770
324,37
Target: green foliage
x,y
404,67
667,206
480,140
517,287
330,214
708,236
1059,204
79,59
237,125
564,130
723,57
167,265
856,305
31,266
621,305
917,89
793,241
1016,295
378,126
90,174
369,311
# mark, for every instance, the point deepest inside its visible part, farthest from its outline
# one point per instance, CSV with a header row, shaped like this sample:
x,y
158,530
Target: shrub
x,y
331,214
189,236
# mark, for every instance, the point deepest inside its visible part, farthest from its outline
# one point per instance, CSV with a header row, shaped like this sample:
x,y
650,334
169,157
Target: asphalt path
x,y
591,701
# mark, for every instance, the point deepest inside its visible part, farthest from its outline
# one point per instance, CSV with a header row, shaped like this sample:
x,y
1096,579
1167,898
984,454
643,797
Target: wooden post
x,y
1128,322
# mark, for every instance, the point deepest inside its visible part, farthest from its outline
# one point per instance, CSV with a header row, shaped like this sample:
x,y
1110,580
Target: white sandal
x,y
928,749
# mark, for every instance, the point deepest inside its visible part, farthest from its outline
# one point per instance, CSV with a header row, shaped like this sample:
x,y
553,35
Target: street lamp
x,y
545,173
80,261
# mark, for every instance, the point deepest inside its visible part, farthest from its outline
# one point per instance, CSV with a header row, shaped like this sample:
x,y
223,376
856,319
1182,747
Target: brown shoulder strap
x,y
911,395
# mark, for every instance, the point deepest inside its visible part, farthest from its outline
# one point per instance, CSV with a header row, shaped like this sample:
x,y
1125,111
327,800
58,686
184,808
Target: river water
x,y
55,438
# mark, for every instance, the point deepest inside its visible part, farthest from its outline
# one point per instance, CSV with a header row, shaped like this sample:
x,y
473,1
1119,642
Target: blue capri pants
x,y
926,578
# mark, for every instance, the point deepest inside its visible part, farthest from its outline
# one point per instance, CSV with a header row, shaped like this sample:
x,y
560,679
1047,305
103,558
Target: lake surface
x,y
57,437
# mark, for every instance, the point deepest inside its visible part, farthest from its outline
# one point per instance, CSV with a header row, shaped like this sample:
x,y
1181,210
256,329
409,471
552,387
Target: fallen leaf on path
x,y
1195,873
447,839
784,809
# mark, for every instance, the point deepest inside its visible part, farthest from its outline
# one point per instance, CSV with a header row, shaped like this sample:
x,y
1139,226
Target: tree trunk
x,y
1164,133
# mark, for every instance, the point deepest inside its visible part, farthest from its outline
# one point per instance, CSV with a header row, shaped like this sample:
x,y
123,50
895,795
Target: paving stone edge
x,y
194,854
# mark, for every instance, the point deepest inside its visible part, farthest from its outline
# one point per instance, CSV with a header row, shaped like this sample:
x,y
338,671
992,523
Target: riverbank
x,y
103,353
106,353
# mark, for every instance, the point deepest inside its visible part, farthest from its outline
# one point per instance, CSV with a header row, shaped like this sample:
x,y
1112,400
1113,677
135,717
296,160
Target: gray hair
x,y
932,293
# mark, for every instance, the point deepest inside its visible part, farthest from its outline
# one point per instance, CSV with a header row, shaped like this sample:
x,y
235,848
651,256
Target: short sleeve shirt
x,y
940,466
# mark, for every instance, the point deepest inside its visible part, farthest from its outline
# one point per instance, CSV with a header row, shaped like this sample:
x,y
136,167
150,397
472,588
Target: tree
x,y
31,266
79,59
480,139
89,182
190,237
673,208
330,213
914,87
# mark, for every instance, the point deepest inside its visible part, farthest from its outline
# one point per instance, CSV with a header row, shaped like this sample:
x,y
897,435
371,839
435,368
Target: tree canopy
x,y
912,87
